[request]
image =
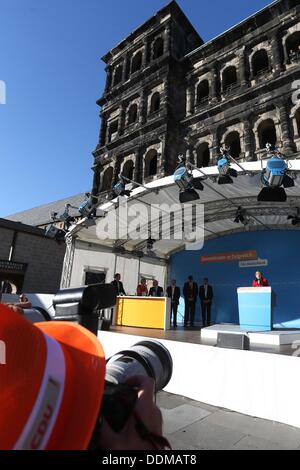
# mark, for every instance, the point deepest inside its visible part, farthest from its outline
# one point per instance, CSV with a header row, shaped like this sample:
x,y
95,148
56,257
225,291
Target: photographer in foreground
x,y
52,384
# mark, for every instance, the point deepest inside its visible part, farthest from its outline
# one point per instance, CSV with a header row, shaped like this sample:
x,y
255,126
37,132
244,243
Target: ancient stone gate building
x,y
168,92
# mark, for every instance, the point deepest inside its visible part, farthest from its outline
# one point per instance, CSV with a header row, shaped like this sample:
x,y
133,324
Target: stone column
x,y
288,144
214,85
243,67
126,64
276,53
249,151
215,146
139,171
145,53
190,98
117,168
161,158
103,129
122,119
96,178
167,39
143,107
108,78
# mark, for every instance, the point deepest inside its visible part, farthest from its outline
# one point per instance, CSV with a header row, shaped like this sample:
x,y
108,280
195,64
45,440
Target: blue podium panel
x,y
255,308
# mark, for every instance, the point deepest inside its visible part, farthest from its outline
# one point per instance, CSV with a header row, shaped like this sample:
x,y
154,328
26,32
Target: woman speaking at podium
x,y
259,280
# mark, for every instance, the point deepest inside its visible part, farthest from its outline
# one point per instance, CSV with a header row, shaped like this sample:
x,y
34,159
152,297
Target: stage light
x,y
295,219
225,171
55,233
273,177
149,244
186,183
119,188
241,216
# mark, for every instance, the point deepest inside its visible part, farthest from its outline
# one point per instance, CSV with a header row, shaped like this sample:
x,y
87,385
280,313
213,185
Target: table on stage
x,y
143,312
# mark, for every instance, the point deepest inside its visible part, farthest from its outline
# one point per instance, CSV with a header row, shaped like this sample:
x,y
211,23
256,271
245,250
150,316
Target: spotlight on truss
x,y
275,178
295,218
241,216
186,183
226,173
119,188
55,233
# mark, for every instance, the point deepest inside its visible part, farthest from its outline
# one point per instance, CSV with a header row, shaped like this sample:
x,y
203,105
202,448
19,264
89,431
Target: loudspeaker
x,y
233,341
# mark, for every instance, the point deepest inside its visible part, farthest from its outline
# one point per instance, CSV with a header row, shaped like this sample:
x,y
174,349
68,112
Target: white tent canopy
x,y
219,202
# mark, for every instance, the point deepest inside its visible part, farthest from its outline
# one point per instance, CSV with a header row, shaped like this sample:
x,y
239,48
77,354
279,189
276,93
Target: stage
x,y
263,382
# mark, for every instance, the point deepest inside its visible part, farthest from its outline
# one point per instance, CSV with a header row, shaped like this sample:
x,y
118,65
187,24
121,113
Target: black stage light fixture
x,y
295,219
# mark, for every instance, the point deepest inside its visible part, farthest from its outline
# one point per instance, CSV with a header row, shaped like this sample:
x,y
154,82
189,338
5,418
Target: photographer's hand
x,y
146,417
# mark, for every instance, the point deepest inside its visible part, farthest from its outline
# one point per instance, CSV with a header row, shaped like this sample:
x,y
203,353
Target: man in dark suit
x,y
156,290
190,292
118,284
206,296
173,292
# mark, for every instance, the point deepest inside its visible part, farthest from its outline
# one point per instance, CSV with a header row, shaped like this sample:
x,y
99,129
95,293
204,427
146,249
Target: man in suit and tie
x,y
118,284
156,290
173,292
190,292
206,296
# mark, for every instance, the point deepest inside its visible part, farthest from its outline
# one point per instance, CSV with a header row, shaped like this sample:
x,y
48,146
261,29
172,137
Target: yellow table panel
x,y
143,312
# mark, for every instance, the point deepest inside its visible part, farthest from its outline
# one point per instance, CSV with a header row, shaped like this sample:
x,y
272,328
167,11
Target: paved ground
x,y
191,425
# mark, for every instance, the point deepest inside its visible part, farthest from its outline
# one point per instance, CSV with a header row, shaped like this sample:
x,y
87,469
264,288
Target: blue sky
x,y
50,61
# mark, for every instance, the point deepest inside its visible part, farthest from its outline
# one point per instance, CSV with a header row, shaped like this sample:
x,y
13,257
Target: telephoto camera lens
x,y
149,358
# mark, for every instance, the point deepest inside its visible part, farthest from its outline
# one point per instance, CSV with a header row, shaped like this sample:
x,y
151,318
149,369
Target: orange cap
x,y
51,383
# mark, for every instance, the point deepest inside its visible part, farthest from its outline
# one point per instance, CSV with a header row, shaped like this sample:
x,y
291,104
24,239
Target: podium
x,y
255,308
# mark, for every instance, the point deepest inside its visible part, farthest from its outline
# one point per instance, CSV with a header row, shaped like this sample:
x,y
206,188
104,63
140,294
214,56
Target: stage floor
x,y
274,342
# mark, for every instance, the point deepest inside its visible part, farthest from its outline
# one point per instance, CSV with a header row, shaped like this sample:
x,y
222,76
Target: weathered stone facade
x,y
168,92
43,258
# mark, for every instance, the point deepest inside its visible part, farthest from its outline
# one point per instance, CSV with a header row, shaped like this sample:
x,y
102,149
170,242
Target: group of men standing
x,y
190,294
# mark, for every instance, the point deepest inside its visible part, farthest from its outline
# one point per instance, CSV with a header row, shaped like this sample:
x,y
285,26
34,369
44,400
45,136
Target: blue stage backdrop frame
x,y
279,247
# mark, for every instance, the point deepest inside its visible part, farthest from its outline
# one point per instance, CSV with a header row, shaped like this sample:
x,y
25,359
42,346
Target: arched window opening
x,y
233,143
107,179
203,155
293,46
127,170
118,75
202,92
113,131
158,48
151,163
132,114
155,102
260,63
136,62
267,133
229,79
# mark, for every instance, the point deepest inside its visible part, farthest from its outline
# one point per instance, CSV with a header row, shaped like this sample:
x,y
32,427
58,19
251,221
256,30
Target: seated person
x,y
142,289
156,290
